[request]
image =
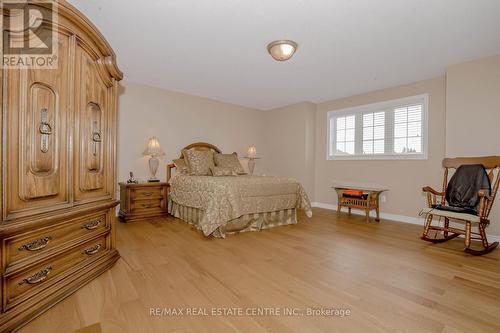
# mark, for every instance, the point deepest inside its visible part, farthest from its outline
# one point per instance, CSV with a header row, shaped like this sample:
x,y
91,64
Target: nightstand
x,y
143,200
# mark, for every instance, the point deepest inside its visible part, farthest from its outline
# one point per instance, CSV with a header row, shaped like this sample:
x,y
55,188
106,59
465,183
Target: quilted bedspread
x,y
225,198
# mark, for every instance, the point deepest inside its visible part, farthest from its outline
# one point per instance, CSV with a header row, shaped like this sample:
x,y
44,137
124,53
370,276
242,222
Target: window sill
x,y
421,157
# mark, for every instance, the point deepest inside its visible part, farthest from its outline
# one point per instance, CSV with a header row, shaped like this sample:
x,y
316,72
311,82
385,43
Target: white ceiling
x,y
217,48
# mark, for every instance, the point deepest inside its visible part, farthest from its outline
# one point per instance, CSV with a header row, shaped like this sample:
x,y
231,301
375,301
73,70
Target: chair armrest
x,y
429,189
484,194
484,205
432,195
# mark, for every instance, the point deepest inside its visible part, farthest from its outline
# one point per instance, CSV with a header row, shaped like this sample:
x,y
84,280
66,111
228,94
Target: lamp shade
x,y
153,148
252,152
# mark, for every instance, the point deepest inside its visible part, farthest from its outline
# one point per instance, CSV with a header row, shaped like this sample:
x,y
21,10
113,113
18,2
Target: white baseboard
x,y
385,216
392,217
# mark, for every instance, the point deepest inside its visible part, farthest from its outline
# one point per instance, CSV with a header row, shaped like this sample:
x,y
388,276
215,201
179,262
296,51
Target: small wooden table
x,y
371,202
143,200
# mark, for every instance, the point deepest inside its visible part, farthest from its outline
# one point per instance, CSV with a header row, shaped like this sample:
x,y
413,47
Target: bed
x,y
218,206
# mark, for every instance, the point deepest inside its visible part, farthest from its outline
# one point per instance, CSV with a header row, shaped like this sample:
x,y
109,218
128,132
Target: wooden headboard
x,y
196,146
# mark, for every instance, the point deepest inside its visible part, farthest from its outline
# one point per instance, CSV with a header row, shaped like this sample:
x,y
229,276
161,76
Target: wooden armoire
x,y
58,184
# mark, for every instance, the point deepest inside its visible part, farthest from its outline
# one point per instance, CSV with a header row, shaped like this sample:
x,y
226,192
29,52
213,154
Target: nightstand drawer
x,y
22,285
142,205
24,246
146,193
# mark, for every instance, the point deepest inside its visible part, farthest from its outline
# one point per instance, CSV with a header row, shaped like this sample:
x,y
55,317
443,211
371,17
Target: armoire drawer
x,y
24,284
25,246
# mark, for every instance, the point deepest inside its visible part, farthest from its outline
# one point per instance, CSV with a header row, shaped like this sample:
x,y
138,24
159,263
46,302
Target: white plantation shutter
x,y
408,129
345,135
394,129
374,133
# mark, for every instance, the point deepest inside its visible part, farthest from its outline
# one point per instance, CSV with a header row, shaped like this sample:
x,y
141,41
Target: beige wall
x,y
288,134
473,114
473,108
177,120
403,178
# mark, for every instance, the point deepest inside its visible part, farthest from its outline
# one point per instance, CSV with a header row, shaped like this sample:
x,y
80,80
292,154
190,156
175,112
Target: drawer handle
x,y
147,194
146,205
36,244
37,277
45,130
91,225
93,250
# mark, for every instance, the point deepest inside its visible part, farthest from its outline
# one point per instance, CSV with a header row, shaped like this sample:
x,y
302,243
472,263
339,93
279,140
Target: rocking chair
x,y
479,220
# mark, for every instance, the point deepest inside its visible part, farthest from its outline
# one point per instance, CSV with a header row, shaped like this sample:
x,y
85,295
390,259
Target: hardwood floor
x,y
388,278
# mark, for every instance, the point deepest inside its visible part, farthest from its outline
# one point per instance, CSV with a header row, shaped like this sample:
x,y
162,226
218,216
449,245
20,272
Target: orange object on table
x,y
354,193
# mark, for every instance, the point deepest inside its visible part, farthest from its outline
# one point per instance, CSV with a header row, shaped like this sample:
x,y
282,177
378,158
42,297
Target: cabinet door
x,y
94,131
36,142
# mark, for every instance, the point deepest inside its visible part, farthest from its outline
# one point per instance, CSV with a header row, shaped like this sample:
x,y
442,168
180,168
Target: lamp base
x,y
154,162
153,180
251,165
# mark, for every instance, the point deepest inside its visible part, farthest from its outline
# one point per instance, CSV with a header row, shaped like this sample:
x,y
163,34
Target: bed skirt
x,y
249,222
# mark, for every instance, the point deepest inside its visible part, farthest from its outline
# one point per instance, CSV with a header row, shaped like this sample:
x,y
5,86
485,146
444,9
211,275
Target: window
x,y
345,135
394,129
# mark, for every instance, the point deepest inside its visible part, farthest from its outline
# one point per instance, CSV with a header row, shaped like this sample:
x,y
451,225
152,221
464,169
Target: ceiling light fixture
x,y
282,50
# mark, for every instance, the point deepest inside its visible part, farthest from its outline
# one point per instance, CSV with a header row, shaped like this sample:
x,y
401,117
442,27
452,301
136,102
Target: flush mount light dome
x,y
282,50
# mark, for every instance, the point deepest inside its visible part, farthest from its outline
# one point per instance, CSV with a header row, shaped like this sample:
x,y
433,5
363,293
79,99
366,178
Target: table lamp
x,y
251,156
154,151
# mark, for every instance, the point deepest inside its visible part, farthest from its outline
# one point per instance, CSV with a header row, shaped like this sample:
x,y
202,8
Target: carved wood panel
x,y
93,137
37,113
93,168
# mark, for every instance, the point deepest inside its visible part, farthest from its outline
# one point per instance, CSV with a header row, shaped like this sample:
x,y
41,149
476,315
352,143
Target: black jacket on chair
x,y
462,191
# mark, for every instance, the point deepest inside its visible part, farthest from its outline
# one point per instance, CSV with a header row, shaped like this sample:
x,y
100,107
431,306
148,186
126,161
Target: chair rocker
x,y
480,220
